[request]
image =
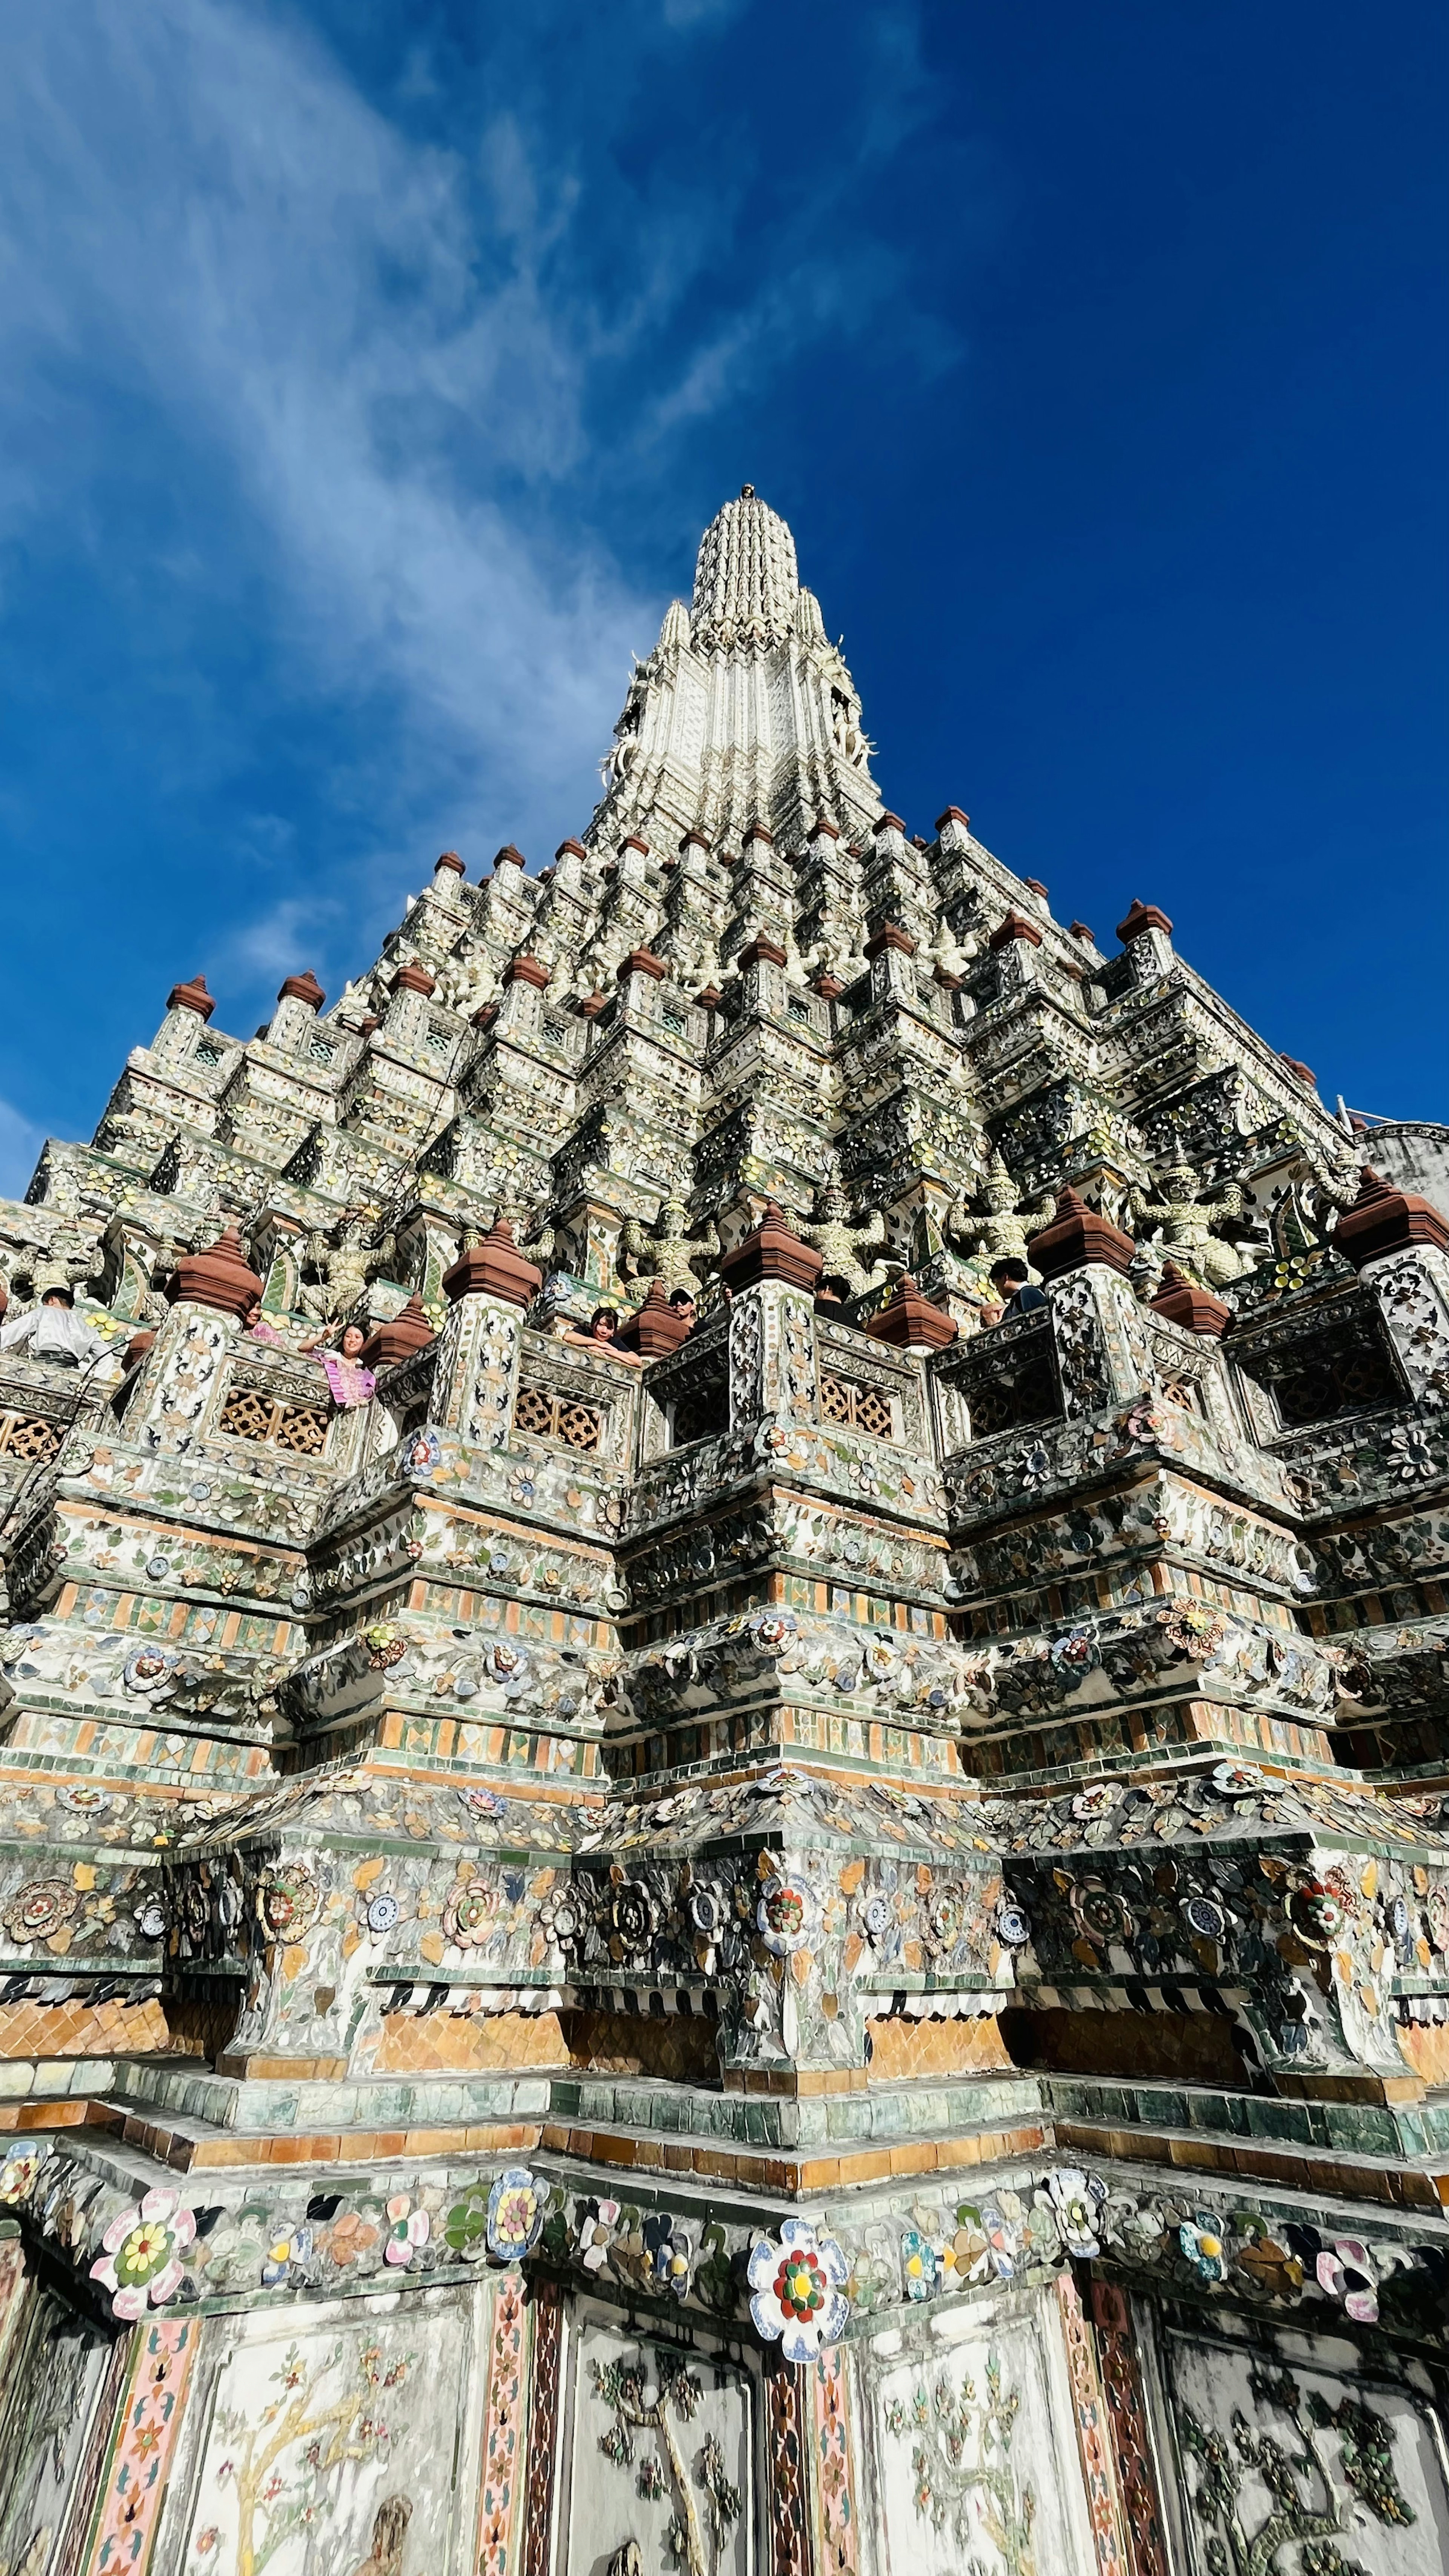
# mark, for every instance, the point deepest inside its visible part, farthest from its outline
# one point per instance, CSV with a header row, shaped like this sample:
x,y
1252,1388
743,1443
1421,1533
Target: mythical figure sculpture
x,y
343,1267
841,1241
997,1233
1185,1226
666,1250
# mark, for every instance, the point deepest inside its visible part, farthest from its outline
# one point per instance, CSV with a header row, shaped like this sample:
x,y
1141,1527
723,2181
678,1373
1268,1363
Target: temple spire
x,y
746,580
744,712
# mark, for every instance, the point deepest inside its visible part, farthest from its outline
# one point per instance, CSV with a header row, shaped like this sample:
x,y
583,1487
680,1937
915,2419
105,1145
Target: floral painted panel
x,y
53,2377
337,2447
661,2442
1293,2469
976,2466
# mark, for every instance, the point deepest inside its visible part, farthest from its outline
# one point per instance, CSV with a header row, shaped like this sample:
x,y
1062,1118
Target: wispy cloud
x,y
230,232
402,361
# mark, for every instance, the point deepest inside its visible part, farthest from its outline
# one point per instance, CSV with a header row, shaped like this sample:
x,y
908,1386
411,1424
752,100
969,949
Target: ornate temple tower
x,y
744,712
808,1933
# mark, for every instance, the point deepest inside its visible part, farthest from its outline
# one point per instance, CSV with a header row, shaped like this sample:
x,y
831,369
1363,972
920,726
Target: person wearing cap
x,y
54,1331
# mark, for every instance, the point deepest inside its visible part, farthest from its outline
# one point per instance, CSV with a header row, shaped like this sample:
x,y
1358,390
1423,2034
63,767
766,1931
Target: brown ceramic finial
x,y
760,952
218,1277
910,1322
657,1328
772,1251
408,1332
1142,916
414,979
1183,1303
1385,1219
1077,1236
494,1268
889,934
1015,926
303,988
191,997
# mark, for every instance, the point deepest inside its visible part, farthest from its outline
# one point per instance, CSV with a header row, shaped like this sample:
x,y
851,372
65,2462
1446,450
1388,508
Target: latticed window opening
x,y
551,1413
1014,1396
250,1415
28,1436
701,1410
1319,1384
860,1408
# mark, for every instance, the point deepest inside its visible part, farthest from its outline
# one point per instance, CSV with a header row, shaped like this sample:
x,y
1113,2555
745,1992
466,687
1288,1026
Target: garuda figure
x,y
843,1242
667,1250
1186,1226
997,1229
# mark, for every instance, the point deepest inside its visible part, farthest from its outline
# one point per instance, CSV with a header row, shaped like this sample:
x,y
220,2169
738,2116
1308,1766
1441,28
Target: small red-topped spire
x,y
772,1251
414,979
1015,926
191,997
303,988
890,934
910,1322
494,1268
407,1333
1142,916
1077,1236
1385,1219
221,1276
449,860
1183,1303
527,970
657,1327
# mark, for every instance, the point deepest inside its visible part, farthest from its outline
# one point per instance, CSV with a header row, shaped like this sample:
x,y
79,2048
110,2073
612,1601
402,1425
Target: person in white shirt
x,y
54,1331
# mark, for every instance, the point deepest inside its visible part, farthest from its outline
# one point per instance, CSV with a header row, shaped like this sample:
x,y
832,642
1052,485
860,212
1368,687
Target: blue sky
x,y
369,368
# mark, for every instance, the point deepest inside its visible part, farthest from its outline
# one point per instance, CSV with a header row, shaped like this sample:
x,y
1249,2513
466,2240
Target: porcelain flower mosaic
x,y
141,2259
798,2284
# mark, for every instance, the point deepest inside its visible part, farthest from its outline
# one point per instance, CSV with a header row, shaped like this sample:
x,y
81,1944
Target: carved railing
x,y
570,1398
692,1386
1000,1380
864,1388
1315,1358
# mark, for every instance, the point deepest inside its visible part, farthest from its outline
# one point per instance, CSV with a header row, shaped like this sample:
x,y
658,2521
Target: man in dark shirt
x,y
1013,1285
